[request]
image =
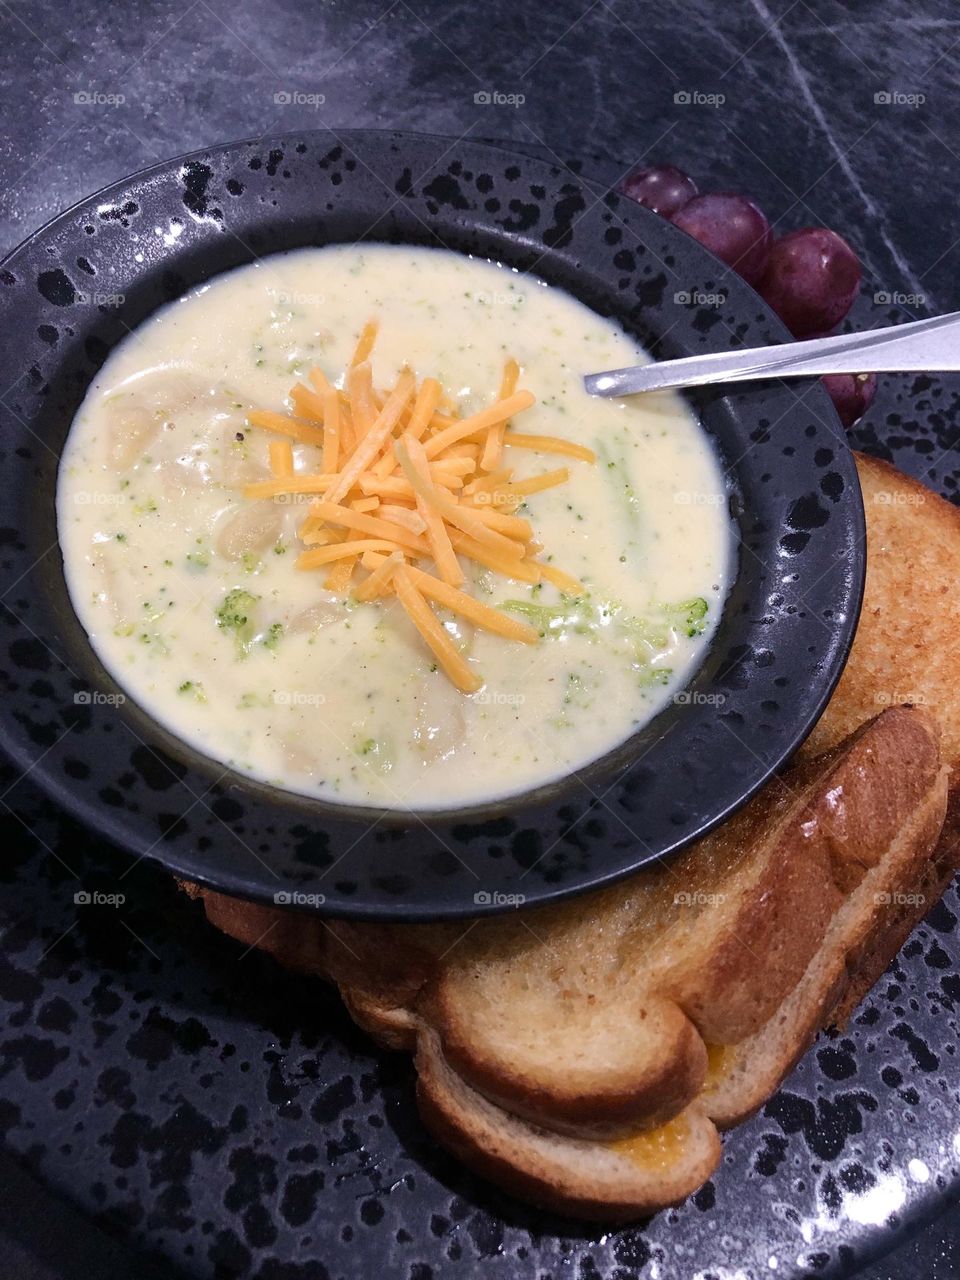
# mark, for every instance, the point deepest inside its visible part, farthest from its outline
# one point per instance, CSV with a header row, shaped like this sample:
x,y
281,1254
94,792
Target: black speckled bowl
x,y
78,286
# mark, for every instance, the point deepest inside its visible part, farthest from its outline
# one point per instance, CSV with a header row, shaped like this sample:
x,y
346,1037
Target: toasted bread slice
x,y
292,939
613,1182
746,1072
619,1180
594,1022
545,1037
906,648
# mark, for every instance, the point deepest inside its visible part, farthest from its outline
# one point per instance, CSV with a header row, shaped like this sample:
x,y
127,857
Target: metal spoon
x,y
919,347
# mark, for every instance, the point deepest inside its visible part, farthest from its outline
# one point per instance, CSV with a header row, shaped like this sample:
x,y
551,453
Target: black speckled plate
x,y
208,1109
780,646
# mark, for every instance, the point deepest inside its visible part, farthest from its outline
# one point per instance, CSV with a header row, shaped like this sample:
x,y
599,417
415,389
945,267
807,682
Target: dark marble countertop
x,y
826,113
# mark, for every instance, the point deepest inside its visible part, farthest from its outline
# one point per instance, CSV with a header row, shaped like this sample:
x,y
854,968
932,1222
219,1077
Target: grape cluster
x,y
809,277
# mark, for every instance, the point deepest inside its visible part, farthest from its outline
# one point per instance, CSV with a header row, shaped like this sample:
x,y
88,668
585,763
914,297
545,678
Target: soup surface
x,y
342,700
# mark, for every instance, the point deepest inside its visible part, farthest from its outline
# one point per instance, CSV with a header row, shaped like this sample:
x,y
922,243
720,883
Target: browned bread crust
x,y
753,1067
877,950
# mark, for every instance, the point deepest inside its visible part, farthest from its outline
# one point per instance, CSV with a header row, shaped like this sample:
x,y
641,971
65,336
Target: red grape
x,y
665,189
732,227
852,394
811,280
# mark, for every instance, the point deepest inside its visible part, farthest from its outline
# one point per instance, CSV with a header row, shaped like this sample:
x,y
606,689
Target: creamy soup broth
x,y
342,700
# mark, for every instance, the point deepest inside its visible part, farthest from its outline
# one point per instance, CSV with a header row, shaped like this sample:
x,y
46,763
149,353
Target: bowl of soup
x,y
355,600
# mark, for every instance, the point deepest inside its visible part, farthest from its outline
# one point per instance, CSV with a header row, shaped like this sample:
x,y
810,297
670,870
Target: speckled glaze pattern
x,y
779,648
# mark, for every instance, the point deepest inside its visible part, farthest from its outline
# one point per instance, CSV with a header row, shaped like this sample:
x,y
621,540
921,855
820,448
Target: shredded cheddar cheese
x,y
281,459
405,490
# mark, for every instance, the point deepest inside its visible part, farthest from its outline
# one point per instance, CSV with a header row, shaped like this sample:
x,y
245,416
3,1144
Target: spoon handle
x,y
921,346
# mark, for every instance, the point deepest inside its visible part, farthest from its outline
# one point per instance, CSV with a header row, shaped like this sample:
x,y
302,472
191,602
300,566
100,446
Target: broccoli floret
x,y
376,754
583,617
236,614
648,676
691,615
687,617
575,614
273,636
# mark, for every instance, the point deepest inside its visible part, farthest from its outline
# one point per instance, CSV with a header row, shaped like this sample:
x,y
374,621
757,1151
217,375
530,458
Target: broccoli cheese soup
x,y
345,520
